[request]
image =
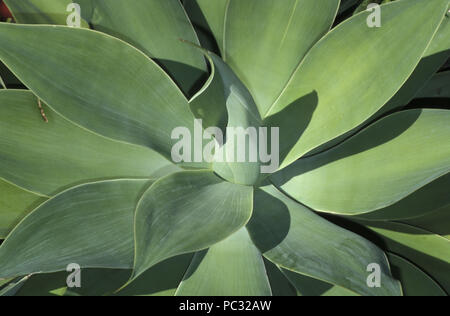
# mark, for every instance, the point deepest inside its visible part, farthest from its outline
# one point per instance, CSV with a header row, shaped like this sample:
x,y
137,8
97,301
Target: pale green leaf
x,y
307,286
15,203
42,11
267,39
186,212
141,23
376,168
112,89
422,202
428,251
91,225
353,88
48,157
233,267
293,237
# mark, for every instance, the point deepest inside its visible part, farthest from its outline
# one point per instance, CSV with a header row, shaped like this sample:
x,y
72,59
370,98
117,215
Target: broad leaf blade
x,y
414,281
428,251
114,89
231,267
41,11
307,286
141,23
91,225
342,106
376,168
422,202
48,157
267,39
293,237
15,203
243,116
186,212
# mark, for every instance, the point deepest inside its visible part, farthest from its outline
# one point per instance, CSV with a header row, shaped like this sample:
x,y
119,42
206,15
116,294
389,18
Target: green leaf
x,y
437,222
242,114
378,167
209,103
12,288
48,284
296,239
41,12
428,251
186,212
233,267
268,39
279,284
15,203
162,279
434,57
47,157
91,225
342,106
307,286
140,24
114,89
414,281
422,202
438,87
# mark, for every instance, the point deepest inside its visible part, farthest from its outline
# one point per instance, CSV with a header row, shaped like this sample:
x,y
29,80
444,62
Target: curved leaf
x,y
376,168
307,286
141,105
186,212
242,114
267,39
233,267
343,106
15,203
422,202
437,222
414,281
140,23
293,237
12,288
434,57
47,157
91,225
41,12
162,279
429,252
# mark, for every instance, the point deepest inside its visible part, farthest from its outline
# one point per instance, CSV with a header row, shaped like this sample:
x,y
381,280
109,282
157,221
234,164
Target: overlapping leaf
x,y
356,83
267,39
91,225
142,105
186,212
48,157
296,239
376,168
242,271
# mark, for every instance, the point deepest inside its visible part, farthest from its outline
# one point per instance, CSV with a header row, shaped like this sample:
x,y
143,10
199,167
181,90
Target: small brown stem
x,y
42,111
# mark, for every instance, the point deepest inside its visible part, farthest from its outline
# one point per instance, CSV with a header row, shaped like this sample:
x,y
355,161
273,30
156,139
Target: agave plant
x,y
359,203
